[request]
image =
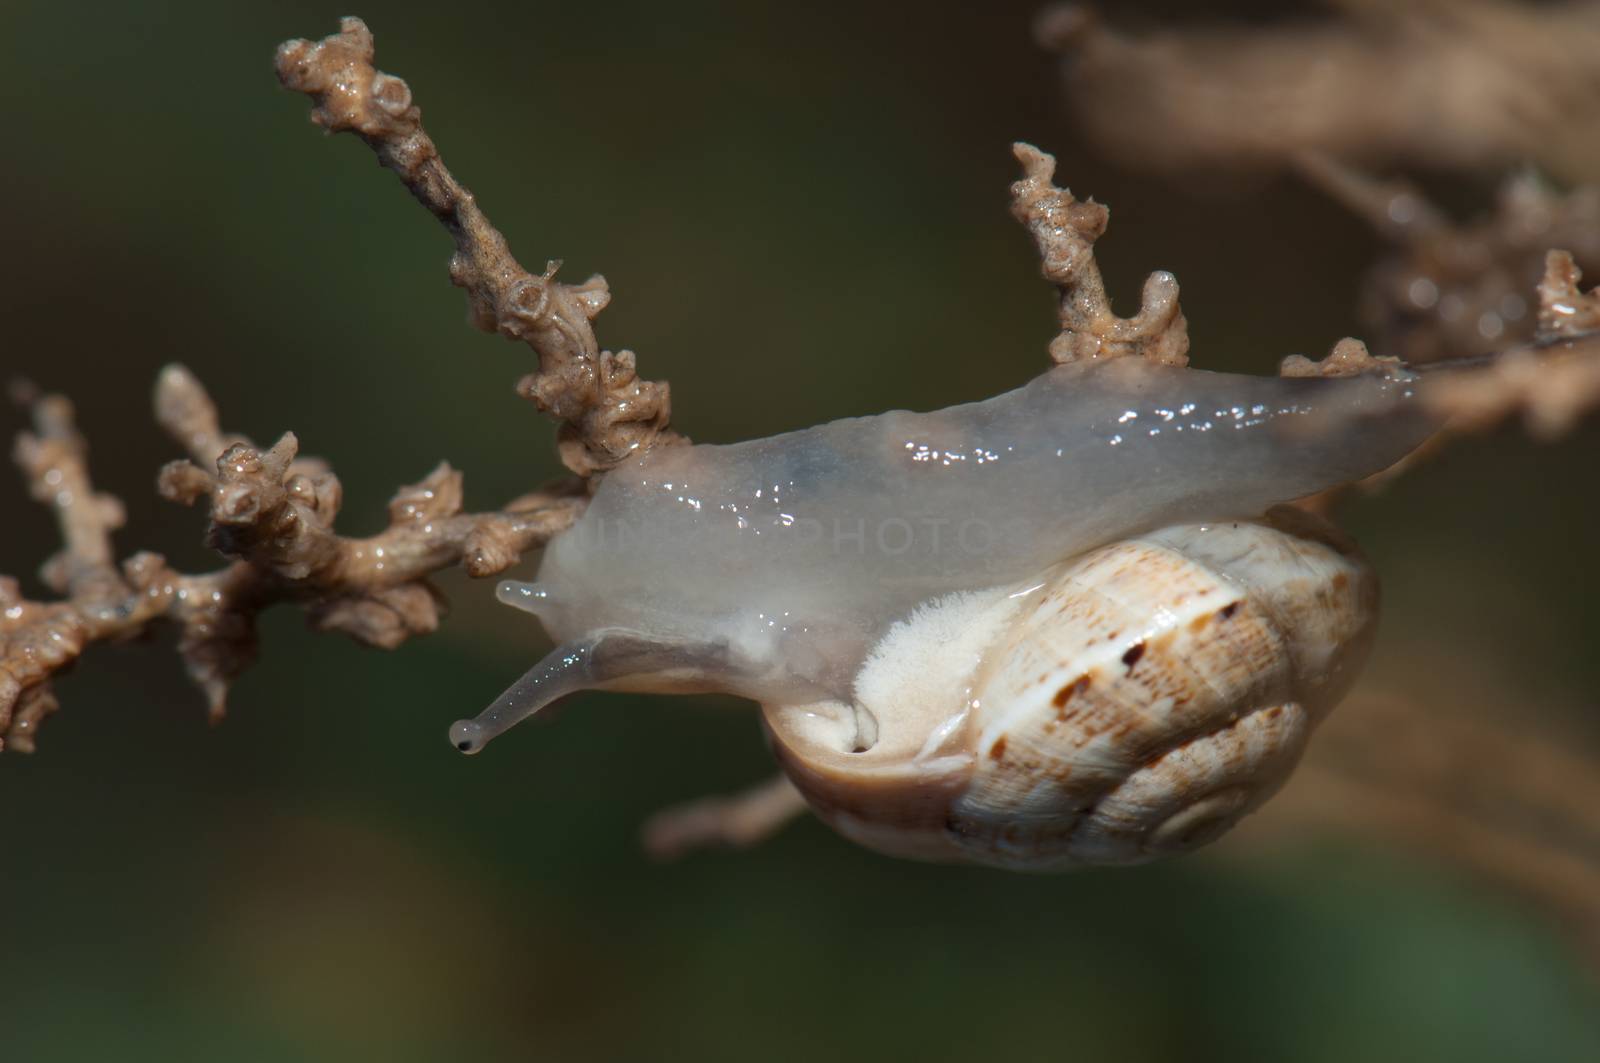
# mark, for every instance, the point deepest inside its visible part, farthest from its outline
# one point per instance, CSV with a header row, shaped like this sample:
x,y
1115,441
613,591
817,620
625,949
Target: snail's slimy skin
x,y
779,569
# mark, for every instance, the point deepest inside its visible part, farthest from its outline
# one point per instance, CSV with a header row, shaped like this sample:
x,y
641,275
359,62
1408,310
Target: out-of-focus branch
x,y
1449,289
607,413
1065,231
272,513
53,458
1455,83
1550,382
1550,388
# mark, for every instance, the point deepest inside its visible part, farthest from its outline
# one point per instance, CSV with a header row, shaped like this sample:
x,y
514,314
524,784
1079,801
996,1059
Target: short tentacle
x,y
532,598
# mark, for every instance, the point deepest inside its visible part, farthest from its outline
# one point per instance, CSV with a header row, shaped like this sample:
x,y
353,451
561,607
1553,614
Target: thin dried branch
x,y
607,413
738,820
273,514
1065,231
1458,290
1443,83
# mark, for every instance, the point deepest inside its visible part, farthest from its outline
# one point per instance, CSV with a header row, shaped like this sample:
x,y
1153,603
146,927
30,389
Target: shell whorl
x,y
1137,701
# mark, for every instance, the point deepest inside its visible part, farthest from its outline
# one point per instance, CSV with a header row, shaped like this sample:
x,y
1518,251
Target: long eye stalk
x,y
564,670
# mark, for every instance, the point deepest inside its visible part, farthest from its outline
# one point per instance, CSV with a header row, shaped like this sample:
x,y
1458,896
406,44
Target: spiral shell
x,y
1134,702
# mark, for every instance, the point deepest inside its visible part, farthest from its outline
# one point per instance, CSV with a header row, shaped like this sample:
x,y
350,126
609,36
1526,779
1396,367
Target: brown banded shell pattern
x,y
1140,701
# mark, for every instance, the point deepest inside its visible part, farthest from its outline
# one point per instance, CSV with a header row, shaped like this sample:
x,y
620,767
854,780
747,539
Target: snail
x,y
1071,624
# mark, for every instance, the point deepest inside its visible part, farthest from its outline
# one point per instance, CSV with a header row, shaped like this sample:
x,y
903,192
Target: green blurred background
x,y
802,214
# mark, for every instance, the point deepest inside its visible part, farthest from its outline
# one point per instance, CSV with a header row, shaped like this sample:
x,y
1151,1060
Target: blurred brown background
x,y
802,214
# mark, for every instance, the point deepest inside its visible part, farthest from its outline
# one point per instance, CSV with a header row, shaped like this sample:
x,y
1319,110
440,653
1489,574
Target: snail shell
x,y
1134,703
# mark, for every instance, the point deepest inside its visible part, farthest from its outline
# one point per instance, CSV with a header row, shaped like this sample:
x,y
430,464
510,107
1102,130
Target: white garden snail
x,y
1061,626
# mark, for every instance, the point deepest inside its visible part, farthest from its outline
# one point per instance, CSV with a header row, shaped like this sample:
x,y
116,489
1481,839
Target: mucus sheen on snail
x,y
1071,624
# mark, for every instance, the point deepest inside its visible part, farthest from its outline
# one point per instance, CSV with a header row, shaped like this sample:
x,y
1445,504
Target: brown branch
x,y
272,513
1065,231
607,413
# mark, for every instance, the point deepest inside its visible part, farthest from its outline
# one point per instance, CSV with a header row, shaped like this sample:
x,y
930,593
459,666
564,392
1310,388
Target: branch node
x,y
1065,230
1349,357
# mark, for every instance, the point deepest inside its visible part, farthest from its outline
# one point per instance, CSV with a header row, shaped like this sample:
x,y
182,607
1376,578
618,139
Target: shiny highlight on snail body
x,y
1062,626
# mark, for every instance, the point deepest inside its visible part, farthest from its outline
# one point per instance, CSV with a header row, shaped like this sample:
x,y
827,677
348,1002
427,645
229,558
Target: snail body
x,y
908,596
